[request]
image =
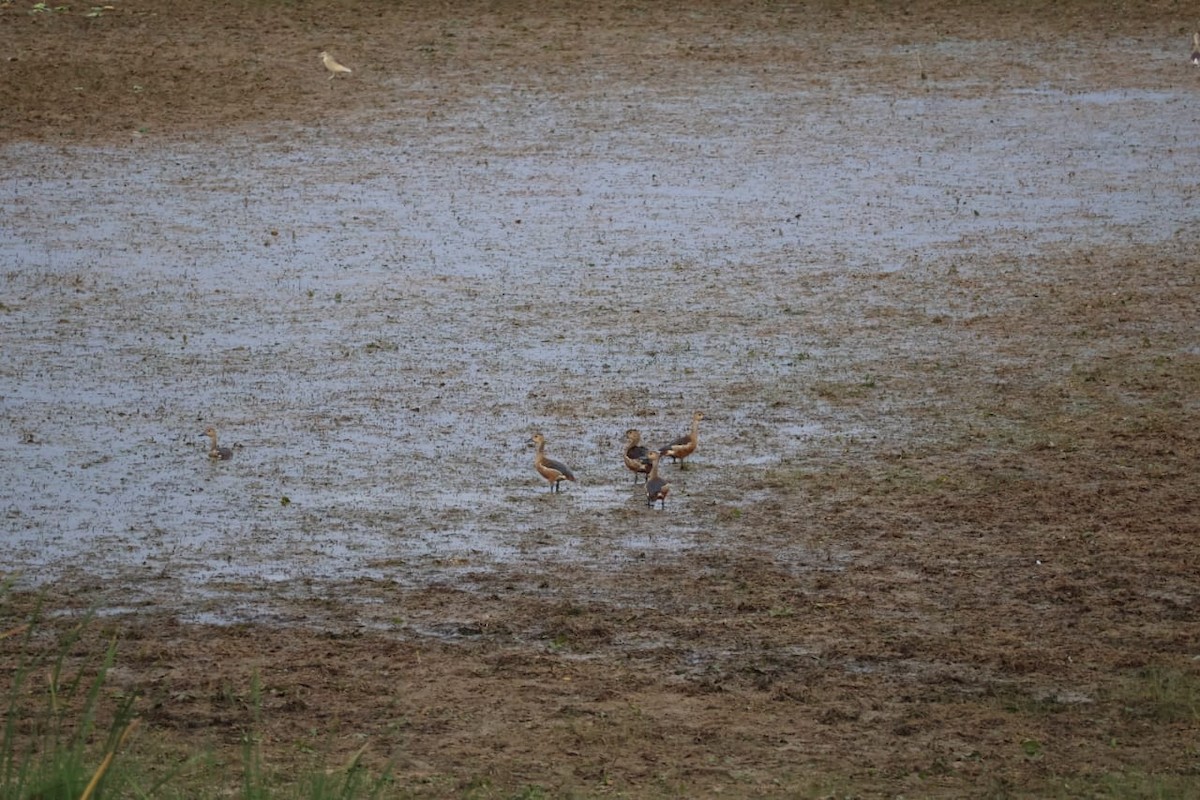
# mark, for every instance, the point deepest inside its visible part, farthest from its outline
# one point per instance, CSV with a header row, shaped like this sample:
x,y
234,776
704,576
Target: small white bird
x,y
333,66
1196,49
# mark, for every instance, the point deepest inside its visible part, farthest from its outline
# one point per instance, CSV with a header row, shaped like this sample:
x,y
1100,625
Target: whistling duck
x,y
636,455
656,488
333,66
684,446
554,471
1196,49
215,452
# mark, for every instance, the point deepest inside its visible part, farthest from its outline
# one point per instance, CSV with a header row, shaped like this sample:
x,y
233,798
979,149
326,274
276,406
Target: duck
x,y
554,471
1196,49
635,455
215,452
684,446
656,487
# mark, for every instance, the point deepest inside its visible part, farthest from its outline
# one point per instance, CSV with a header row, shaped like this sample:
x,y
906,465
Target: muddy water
x,y
378,312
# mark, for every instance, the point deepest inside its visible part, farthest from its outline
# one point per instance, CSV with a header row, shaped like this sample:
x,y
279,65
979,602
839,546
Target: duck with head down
x,y
657,489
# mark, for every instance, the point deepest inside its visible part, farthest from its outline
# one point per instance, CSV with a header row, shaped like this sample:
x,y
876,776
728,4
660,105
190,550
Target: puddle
x,y
380,320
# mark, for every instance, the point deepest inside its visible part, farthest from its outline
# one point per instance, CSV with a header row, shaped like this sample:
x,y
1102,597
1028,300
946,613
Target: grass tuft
x,y
1162,694
65,737
46,746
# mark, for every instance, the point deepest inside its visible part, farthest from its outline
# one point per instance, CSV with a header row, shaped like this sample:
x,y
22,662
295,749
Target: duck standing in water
x,y
215,452
684,446
636,457
656,488
554,471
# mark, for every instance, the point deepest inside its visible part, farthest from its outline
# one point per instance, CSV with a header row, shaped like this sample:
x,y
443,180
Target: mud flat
x,y
935,292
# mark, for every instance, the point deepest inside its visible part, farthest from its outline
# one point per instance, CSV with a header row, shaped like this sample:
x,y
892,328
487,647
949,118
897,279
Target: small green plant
x,y
351,781
46,8
1032,748
254,786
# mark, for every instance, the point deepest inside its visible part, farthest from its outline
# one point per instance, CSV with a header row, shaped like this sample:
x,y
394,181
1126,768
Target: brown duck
x,y
684,446
636,456
554,471
214,452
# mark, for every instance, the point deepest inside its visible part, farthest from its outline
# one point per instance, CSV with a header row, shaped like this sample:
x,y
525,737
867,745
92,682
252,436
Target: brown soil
x,y
1003,603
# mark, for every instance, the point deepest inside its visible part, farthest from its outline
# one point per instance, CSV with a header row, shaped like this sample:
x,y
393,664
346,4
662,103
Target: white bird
x,y
1196,49
333,66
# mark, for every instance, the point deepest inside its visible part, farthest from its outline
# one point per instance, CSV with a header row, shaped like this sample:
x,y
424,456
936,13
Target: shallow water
x,y
379,312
